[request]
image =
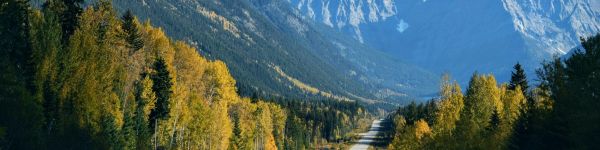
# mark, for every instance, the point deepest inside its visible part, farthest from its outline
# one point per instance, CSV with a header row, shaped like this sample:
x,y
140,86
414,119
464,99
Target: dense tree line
x,y
88,78
313,124
559,113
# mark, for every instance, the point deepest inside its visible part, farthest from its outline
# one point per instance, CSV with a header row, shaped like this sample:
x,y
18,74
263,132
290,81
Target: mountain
x,y
461,36
272,50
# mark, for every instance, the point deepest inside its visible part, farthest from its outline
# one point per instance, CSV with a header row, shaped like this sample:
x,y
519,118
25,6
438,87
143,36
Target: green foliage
x,y
15,38
481,100
69,12
573,85
162,88
110,136
21,114
145,100
264,40
560,113
132,34
486,121
518,79
309,123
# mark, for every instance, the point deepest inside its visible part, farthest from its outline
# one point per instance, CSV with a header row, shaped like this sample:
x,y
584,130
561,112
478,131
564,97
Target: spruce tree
x,y
236,139
161,79
518,78
133,36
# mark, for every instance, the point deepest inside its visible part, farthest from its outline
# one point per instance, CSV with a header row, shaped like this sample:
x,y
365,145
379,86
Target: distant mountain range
x,y
370,50
461,36
273,50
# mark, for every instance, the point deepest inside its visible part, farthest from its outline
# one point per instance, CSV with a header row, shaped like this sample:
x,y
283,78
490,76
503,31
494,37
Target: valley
x,y
299,74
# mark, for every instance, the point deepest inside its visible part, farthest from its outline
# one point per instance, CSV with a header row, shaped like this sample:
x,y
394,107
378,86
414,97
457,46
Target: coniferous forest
x,y
81,75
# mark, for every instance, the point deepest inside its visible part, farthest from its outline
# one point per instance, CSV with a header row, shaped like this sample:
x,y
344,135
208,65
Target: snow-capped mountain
x,y
461,36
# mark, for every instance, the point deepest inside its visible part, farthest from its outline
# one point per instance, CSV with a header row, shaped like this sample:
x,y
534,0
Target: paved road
x,y
368,138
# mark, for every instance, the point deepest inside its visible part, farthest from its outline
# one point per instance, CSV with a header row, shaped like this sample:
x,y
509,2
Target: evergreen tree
x,y
494,122
111,136
236,138
21,117
69,12
15,37
161,86
128,134
575,85
518,78
133,36
70,17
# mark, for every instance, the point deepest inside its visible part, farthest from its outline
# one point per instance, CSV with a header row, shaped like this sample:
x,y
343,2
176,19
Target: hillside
x,y
77,76
258,36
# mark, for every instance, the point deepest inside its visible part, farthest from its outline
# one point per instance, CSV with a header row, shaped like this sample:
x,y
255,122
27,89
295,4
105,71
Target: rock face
x,y
461,36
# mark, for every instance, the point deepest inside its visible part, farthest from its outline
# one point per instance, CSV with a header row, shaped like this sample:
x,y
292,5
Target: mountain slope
x,y
275,52
461,36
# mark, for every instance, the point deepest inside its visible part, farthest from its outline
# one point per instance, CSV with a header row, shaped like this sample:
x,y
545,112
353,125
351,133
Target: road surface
x,y
368,138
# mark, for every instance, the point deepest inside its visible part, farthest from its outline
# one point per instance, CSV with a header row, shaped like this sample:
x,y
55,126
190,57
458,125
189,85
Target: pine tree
x,y
161,86
133,36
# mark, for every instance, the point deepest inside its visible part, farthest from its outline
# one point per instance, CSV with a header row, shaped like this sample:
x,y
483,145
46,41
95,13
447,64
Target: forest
x,y
75,76
559,112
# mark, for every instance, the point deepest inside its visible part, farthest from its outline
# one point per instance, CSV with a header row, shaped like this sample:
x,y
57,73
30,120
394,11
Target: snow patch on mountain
x,y
311,12
326,13
390,9
554,26
347,14
402,26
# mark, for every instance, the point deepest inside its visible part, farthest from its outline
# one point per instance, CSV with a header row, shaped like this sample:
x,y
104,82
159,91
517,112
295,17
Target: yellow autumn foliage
x,y
103,85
